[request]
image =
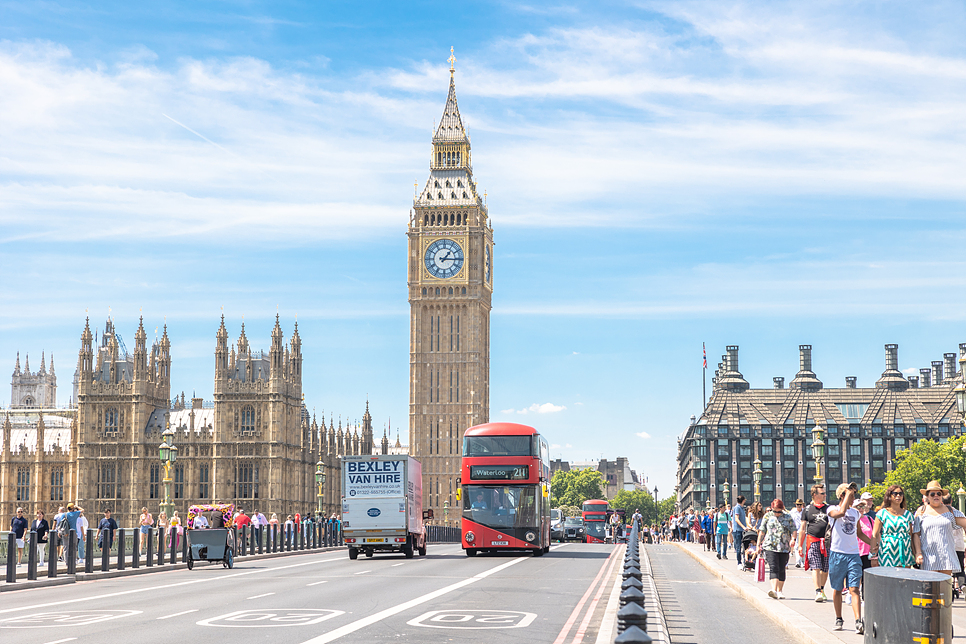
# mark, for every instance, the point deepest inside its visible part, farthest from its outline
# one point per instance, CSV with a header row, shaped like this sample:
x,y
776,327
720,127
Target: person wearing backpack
x,y
738,524
66,523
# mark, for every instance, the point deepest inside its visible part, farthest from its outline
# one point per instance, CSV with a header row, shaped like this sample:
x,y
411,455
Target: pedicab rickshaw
x,y
211,544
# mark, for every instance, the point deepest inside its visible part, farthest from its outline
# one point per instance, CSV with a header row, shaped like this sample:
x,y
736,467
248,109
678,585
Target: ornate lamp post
x,y
320,482
961,493
757,474
818,451
726,491
168,454
446,512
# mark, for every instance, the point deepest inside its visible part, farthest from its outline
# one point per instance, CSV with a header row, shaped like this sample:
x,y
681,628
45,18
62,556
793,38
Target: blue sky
x,y
659,174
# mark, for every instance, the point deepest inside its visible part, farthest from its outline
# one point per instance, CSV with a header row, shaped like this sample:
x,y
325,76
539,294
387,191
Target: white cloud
x,y
643,434
536,408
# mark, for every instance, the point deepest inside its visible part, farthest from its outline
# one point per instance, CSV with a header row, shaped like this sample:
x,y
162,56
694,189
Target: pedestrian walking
x,y
109,524
41,527
845,563
895,532
708,525
18,526
145,523
722,531
163,527
811,540
775,540
738,525
796,515
81,524
866,525
937,522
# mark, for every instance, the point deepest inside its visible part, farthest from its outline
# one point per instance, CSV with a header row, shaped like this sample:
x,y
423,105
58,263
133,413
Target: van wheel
x,y
471,552
353,553
538,552
408,548
422,550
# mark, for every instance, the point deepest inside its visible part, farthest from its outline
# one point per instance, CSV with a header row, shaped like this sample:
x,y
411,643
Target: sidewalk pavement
x,y
799,614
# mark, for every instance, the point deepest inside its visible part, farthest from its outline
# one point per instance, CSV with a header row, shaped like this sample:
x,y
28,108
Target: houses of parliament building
x,y
254,445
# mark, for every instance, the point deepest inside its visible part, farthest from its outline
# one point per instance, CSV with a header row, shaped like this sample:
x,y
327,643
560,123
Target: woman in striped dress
x,y
937,522
895,534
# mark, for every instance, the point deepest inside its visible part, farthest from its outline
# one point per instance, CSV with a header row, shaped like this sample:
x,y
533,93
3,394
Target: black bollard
x,y
150,548
89,551
105,550
174,545
121,535
162,535
70,552
632,596
633,635
302,537
53,540
32,556
184,545
251,541
12,558
631,615
632,582
136,548
259,533
244,540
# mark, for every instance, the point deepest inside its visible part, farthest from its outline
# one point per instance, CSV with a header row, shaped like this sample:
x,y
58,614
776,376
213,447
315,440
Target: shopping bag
x,y
701,538
760,569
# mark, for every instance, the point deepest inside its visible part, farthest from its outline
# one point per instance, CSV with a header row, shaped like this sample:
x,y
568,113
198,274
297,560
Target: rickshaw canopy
x,y
227,512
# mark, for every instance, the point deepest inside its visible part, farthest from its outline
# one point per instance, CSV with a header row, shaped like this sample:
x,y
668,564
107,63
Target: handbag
x,y
701,538
760,569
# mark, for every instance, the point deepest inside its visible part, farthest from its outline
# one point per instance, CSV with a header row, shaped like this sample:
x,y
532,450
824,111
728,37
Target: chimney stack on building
x,y
779,382
850,382
892,378
913,382
731,379
937,373
949,366
805,379
925,375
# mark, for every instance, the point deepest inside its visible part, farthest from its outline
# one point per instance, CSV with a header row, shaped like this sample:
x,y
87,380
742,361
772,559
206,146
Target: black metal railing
x,y
632,616
443,534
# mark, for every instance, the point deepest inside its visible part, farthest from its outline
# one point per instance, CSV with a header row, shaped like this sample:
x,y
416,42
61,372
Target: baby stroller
x,y
748,538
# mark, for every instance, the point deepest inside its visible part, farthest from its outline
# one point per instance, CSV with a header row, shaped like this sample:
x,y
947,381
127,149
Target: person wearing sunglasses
x,y
844,562
811,540
937,521
895,533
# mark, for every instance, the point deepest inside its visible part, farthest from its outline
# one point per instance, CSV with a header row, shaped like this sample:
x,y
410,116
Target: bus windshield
x,y
497,446
503,506
594,529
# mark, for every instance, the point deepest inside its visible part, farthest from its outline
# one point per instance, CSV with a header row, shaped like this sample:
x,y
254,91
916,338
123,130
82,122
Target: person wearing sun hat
x,y
937,521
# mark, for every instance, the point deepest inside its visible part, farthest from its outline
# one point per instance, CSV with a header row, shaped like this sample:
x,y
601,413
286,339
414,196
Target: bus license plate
x,y
499,543
375,540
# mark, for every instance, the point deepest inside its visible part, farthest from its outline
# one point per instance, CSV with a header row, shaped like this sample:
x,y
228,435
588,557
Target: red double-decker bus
x,y
505,489
594,513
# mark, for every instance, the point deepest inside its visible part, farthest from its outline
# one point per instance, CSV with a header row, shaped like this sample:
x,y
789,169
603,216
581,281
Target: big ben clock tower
x,y
450,293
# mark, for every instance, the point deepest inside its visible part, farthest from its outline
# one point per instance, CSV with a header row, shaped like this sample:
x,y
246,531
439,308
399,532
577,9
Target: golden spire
x,y
452,61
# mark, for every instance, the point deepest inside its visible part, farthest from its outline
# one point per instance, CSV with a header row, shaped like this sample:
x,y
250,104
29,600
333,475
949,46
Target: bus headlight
x,y
470,537
531,536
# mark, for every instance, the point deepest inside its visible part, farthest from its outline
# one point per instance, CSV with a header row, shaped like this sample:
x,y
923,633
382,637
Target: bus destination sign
x,y
499,472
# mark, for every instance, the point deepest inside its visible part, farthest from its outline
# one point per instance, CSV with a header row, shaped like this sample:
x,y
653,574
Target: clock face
x,y
486,264
444,258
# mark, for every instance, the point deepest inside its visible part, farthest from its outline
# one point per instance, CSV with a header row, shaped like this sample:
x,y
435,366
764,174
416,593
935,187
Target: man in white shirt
x,y
200,522
796,515
82,525
844,562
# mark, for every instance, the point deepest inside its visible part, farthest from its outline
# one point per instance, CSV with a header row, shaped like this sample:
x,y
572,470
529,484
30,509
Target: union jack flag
x,y
705,352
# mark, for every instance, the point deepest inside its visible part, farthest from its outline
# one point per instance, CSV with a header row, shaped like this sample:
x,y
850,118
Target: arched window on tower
x,y
426,217
464,196
29,402
424,290
464,291
450,290
437,291
437,184
248,420
448,184
452,195
111,420
440,195
459,184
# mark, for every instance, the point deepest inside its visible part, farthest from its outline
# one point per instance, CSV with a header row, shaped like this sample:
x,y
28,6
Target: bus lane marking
x,y
316,583
474,619
262,595
184,612
352,627
583,600
65,618
66,639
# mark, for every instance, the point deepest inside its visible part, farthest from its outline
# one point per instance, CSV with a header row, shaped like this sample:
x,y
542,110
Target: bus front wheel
x,y
471,552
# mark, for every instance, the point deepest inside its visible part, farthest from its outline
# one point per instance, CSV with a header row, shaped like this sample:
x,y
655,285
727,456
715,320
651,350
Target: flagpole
x,y
704,378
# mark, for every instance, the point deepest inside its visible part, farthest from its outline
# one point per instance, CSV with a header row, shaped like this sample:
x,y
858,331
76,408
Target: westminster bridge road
x,y
325,597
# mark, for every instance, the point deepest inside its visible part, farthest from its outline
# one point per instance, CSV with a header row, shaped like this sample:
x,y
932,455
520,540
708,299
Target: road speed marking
x,y
271,618
64,618
474,619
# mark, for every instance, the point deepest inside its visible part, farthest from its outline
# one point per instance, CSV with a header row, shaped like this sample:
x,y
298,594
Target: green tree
x,y
665,508
636,500
922,462
573,487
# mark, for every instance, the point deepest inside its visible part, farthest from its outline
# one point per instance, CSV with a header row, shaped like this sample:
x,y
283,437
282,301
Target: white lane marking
x,y
262,595
389,612
316,583
361,572
164,586
184,612
66,639
65,619
272,618
398,564
474,619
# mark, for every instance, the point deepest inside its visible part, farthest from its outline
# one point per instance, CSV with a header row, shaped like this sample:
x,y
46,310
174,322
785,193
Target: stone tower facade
x,y
33,390
117,394
450,295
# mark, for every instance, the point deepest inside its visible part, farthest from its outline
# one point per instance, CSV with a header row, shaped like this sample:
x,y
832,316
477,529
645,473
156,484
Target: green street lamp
x,y
168,454
446,512
757,474
320,483
726,491
961,493
818,451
